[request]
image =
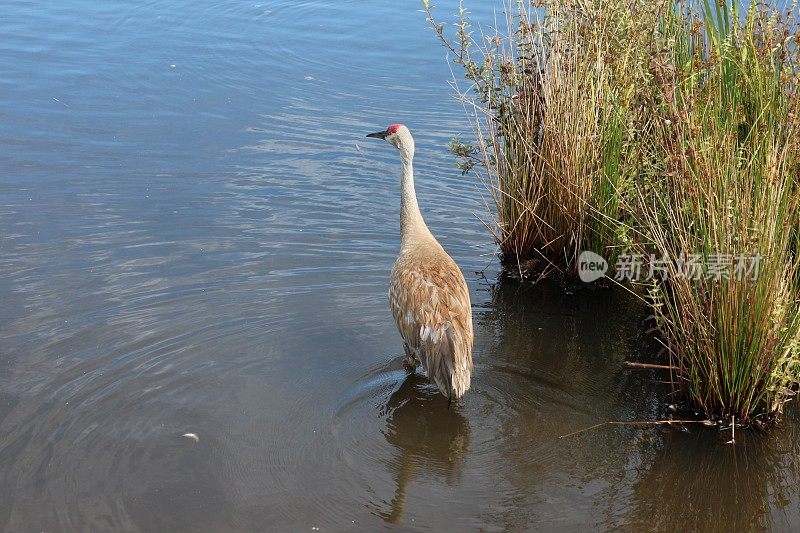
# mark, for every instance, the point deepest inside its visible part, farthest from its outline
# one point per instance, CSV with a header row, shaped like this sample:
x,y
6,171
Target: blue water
x,y
195,237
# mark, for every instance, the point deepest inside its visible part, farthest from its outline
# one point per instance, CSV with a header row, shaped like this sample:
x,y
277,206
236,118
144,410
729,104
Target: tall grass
x,y
669,128
726,191
549,102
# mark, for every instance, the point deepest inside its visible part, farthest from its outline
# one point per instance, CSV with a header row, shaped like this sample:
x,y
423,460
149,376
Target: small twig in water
x,y
638,423
733,431
631,364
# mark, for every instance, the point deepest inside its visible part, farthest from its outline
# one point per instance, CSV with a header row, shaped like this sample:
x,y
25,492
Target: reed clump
x,y
667,129
723,204
550,102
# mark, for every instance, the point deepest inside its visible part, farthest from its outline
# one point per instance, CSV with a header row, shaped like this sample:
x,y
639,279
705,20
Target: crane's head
x,y
398,136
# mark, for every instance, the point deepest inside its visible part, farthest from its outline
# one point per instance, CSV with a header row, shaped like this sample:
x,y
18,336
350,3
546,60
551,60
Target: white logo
x,y
591,266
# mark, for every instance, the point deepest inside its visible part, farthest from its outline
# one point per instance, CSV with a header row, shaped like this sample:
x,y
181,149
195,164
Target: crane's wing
x,y
431,306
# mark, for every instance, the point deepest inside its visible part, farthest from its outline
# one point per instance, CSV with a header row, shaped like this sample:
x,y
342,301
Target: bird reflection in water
x,y
428,437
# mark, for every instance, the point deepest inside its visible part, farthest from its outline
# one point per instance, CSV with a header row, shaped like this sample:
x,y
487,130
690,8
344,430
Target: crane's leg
x,y
410,362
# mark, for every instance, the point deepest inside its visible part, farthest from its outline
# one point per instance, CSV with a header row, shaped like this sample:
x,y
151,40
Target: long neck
x,y
411,222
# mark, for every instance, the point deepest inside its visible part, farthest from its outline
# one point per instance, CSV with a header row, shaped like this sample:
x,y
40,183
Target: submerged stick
x,y
631,364
733,431
638,423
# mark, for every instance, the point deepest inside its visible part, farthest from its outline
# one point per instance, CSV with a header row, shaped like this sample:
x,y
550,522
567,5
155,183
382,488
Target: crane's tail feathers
x,y
451,365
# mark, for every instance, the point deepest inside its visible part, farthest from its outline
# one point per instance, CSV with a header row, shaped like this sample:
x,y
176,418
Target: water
x,y
195,237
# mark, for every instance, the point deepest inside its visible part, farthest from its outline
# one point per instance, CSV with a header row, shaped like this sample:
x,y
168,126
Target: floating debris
x,y
192,436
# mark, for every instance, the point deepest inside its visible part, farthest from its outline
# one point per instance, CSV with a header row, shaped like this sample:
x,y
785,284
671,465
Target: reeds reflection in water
x,y
693,482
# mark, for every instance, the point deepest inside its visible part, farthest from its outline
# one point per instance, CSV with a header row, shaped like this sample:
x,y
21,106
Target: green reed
x,y
550,99
657,127
726,185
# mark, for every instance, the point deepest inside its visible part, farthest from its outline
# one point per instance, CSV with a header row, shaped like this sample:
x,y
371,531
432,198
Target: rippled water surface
x,y
195,237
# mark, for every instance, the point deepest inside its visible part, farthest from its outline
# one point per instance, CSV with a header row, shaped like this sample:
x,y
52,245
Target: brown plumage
x,y
428,295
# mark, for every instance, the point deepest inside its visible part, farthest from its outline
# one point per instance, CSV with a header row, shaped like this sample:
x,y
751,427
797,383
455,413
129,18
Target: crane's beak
x,y
379,134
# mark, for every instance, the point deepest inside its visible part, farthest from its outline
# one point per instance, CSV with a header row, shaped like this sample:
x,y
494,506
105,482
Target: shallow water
x,y
195,237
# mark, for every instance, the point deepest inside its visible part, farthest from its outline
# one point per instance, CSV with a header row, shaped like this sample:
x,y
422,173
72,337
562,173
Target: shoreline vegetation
x,y
658,129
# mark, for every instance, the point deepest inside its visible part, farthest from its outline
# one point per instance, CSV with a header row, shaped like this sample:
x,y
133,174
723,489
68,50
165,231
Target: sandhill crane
x,y
427,292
